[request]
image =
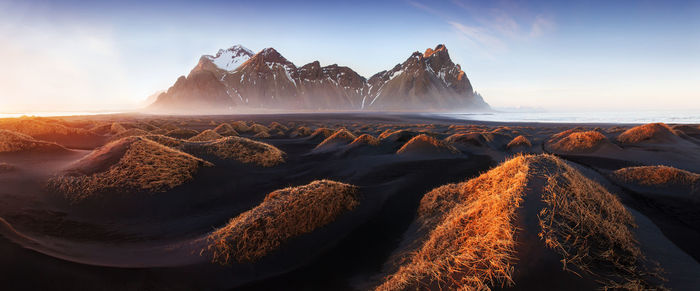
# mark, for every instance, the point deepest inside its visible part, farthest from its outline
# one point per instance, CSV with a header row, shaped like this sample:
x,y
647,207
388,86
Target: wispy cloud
x,y
541,26
479,36
492,26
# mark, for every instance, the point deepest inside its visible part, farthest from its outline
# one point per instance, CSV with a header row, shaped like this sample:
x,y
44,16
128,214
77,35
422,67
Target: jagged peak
x,y
439,48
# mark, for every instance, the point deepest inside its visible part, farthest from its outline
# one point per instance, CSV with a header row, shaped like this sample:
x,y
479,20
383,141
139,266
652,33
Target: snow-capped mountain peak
x,y
231,58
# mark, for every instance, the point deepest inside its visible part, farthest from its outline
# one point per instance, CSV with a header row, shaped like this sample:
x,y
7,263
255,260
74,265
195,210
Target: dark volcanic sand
x,y
151,241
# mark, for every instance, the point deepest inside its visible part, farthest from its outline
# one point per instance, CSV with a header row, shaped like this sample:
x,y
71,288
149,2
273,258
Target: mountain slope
x,y
235,79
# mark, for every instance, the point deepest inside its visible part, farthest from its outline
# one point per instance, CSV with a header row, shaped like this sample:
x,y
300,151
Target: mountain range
x,y
236,79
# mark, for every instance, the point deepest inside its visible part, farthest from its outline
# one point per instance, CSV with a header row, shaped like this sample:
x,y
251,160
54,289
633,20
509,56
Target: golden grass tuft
x,y
128,164
519,141
659,177
225,130
284,214
423,144
206,135
342,136
652,132
239,149
366,139
11,141
577,142
470,243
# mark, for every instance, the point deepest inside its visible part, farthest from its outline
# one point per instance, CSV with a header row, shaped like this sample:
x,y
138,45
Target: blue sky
x,y
590,55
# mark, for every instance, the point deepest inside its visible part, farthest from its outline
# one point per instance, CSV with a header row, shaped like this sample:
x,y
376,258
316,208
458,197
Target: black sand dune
x,y
152,237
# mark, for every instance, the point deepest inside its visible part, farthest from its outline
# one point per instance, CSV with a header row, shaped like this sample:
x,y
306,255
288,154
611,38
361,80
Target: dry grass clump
x,y
206,135
470,139
590,228
16,142
652,132
284,214
342,136
129,164
240,126
225,130
472,242
366,139
659,177
182,133
239,149
423,144
471,230
579,141
519,141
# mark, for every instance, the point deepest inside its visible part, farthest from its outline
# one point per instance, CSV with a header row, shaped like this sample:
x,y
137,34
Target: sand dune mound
x,y
129,132
48,130
300,132
519,142
574,142
206,135
475,140
225,129
284,214
397,136
182,133
258,128
116,128
426,145
276,126
11,141
339,138
469,233
128,164
649,133
660,179
691,130
262,135
239,149
165,140
240,126
320,134
365,139
7,168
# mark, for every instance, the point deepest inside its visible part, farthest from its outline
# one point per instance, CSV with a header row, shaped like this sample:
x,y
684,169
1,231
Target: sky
x,y
551,55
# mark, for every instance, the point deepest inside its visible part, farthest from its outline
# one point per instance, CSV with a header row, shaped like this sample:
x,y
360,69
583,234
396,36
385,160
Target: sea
x,y
671,117
627,117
